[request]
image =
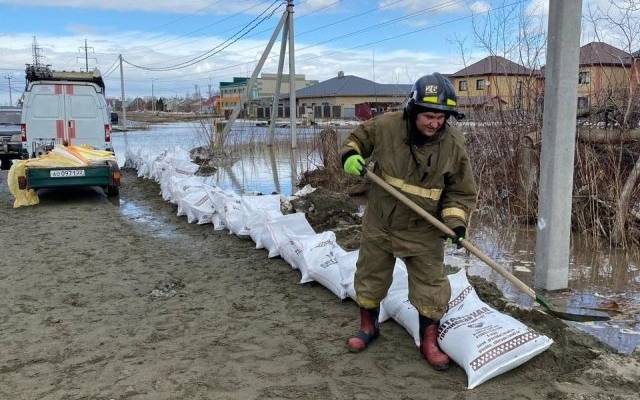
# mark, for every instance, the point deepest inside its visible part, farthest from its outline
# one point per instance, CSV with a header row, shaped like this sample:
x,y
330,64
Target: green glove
x,y
354,165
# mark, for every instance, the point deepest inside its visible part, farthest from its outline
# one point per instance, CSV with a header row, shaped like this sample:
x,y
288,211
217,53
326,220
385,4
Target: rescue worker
x,y
419,153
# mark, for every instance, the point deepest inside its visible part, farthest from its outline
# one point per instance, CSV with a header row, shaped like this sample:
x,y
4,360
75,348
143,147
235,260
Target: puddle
x,y
604,279
145,217
596,277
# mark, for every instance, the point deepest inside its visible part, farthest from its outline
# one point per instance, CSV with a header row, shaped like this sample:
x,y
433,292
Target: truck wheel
x,y
113,191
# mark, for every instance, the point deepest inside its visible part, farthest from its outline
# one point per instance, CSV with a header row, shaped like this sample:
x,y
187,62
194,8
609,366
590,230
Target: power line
x,y
298,18
111,68
217,22
183,17
361,45
218,48
353,33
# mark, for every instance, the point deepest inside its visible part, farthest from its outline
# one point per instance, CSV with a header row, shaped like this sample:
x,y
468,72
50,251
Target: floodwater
x,y
599,278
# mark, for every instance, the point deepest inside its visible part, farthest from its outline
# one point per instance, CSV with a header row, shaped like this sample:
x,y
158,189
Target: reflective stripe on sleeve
x,y
454,212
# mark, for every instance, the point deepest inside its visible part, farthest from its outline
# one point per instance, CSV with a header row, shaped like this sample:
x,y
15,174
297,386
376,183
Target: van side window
x,y
44,106
83,107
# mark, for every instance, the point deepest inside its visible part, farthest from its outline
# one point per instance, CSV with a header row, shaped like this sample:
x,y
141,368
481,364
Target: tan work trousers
x,y
429,288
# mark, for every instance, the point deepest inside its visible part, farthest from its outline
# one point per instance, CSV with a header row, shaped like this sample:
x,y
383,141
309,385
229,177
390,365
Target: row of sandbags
x,y
483,341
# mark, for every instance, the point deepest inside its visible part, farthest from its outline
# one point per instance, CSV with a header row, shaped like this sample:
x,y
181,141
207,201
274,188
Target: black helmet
x,y
433,92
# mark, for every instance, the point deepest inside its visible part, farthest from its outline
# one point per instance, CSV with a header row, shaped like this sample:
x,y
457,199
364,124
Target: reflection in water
x,y
599,278
267,170
595,275
294,168
274,169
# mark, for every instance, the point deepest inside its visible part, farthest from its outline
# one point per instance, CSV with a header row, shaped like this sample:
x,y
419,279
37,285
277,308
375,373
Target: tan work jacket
x,y
442,183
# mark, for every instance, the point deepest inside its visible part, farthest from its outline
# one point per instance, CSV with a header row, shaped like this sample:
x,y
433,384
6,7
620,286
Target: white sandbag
x,y
217,221
481,340
398,292
255,208
397,306
219,198
233,216
292,251
322,265
197,206
275,236
347,263
307,189
315,256
258,225
179,186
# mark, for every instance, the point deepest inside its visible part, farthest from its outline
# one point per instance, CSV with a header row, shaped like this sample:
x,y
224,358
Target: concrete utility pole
x,y
252,80
153,98
276,96
292,76
9,77
124,106
558,145
287,21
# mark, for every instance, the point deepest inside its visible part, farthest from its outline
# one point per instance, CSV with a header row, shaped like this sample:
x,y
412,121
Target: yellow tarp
x,y
60,156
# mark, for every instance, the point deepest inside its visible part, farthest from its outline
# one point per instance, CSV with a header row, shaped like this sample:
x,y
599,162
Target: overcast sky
x,y
395,41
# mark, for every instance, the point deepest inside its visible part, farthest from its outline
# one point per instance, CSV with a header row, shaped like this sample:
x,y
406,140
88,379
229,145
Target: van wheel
x,y
5,163
112,191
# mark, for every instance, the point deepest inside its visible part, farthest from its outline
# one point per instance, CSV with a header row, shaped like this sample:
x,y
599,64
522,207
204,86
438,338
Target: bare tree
x,y
620,22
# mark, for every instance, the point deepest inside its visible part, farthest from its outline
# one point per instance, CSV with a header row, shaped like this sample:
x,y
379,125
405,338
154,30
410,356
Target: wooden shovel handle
x,y
446,230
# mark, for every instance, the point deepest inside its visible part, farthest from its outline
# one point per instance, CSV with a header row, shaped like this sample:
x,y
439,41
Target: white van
x,y
64,107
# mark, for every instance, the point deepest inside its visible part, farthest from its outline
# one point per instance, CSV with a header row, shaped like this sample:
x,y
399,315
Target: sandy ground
x,y
128,301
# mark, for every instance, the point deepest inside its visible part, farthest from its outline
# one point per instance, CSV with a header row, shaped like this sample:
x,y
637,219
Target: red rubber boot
x,y
369,330
429,346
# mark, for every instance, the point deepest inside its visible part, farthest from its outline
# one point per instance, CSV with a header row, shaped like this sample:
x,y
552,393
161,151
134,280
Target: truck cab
x,y
10,136
61,107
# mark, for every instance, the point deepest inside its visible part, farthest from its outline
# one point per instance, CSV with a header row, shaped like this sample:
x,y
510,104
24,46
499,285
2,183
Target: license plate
x,y
66,173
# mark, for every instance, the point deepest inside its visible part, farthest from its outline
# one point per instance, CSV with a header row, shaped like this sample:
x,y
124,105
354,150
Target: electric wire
x,y
393,37
298,18
217,22
218,48
348,34
112,68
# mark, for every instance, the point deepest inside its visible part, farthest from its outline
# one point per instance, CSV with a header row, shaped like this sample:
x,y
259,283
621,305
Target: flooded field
x,y
598,277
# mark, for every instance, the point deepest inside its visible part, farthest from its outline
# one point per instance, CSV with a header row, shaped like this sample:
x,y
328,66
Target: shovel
x,y
491,263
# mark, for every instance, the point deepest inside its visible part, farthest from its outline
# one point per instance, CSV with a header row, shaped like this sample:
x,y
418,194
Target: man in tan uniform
x,y
419,153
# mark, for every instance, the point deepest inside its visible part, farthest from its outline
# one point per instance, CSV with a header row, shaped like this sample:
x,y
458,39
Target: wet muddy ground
x,y
125,300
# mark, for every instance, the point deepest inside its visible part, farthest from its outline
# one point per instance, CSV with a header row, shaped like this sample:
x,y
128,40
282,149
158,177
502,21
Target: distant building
x,y
495,82
230,93
261,97
339,97
603,77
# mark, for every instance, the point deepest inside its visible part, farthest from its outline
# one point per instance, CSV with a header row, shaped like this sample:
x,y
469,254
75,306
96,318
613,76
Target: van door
x,y
85,116
43,115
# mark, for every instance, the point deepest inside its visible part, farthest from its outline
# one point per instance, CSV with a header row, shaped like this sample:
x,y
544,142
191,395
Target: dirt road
x,y
128,301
